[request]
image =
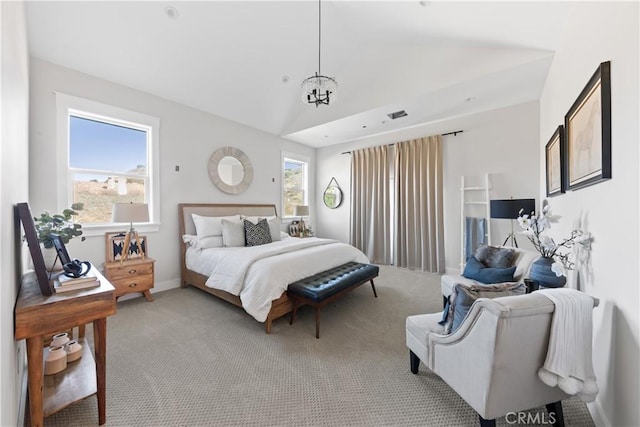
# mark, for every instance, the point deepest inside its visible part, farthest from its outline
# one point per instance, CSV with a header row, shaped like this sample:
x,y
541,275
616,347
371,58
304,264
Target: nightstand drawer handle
x,y
133,285
132,271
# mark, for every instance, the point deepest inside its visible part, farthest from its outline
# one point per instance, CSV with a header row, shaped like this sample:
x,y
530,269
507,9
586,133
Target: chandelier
x,y
319,89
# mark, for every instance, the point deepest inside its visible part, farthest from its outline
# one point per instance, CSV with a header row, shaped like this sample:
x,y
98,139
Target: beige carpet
x,y
189,359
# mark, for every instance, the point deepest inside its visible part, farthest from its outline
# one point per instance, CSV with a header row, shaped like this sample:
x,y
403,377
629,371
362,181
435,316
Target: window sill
x,y
100,230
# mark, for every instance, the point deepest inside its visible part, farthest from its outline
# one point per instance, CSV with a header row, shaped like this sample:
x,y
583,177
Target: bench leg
x,y
374,289
317,321
293,313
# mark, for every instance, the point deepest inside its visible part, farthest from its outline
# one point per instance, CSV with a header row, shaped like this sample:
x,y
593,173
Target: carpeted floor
x,y
189,359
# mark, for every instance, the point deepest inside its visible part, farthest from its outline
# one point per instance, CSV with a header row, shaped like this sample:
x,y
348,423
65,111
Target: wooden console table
x,y
37,317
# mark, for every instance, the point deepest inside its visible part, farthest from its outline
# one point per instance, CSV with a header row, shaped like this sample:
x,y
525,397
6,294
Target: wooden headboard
x,y
210,209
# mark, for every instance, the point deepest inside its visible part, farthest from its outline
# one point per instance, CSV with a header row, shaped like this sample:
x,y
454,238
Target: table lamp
x,y
130,212
301,211
510,209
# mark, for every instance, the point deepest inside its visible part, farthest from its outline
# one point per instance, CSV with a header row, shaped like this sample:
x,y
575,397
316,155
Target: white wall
x,y
188,137
14,185
599,32
501,142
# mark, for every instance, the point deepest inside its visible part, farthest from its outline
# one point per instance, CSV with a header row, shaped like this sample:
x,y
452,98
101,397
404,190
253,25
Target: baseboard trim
x,y
165,285
599,417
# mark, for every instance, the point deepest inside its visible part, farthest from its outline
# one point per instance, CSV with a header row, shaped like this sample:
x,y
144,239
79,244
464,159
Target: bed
x,y
255,278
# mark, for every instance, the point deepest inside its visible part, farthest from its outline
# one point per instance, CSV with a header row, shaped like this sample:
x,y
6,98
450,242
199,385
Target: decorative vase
x,y
56,360
59,340
74,351
542,274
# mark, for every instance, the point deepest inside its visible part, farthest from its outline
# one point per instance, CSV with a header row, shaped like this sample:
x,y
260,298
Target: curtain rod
x,y
454,133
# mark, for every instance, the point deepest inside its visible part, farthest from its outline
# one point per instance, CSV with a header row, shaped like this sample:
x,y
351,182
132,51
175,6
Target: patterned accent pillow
x,y
462,298
257,234
494,257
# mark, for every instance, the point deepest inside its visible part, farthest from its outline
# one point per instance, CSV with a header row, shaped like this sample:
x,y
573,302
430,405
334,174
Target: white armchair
x,y
492,359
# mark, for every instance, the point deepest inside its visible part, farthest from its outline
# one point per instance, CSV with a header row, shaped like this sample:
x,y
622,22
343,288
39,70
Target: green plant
x,y
62,225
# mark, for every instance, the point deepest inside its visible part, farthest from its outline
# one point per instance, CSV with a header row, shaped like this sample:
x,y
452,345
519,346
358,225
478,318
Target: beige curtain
x,y
371,204
419,224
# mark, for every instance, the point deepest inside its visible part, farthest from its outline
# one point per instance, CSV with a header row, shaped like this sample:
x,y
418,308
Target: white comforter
x,y
260,274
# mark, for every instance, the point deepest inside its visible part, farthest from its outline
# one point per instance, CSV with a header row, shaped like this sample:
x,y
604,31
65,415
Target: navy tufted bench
x,y
327,286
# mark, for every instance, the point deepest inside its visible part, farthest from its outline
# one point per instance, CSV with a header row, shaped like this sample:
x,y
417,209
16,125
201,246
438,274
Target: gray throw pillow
x,y
493,257
257,234
462,298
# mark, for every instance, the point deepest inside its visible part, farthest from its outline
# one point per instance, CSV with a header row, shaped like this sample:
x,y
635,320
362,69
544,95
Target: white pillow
x,y
274,225
190,240
209,229
210,242
274,228
255,219
232,233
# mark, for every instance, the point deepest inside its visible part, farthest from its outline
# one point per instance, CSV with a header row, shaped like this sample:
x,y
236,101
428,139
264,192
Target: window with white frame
x,y
110,156
295,183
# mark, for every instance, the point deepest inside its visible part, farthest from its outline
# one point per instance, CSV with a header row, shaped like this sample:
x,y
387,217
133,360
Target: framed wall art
x,y
588,132
115,246
554,154
23,213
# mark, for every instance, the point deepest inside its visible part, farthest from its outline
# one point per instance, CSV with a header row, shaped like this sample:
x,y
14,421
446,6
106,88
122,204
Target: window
x,y
111,157
295,183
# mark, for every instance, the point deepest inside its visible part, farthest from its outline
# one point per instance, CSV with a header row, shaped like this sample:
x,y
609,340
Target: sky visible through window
x,y
106,147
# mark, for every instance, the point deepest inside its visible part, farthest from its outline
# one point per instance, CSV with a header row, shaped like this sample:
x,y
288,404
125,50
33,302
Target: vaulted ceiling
x,y
245,61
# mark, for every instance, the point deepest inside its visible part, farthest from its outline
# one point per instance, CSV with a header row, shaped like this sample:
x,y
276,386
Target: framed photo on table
x,y
23,214
555,171
588,132
115,247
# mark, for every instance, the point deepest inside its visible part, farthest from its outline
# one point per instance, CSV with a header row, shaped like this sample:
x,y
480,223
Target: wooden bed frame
x,y
280,306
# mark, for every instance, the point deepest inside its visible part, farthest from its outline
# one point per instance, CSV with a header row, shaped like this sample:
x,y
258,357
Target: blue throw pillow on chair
x,y
475,270
462,298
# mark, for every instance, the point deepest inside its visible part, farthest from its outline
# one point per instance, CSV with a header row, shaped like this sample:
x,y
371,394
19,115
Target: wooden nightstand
x,y
131,276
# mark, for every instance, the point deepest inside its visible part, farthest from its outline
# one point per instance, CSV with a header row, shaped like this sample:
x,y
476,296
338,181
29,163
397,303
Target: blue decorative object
x,y
475,270
542,274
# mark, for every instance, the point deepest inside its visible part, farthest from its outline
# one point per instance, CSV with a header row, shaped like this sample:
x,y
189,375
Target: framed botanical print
x,y
554,154
588,132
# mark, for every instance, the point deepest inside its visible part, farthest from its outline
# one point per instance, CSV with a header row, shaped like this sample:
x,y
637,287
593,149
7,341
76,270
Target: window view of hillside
x,y
294,185
108,165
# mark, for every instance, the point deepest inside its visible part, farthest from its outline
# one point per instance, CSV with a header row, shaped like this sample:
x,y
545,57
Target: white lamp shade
x,y
130,212
301,210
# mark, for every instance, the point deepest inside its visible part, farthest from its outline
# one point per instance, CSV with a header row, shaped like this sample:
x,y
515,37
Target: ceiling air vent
x,y
397,114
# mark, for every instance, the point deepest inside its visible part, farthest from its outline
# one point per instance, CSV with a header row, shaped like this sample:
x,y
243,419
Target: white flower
x,y
524,221
548,243
543,224
553,218
558,268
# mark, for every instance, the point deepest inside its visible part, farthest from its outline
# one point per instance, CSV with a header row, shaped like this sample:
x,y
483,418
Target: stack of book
x,y
66,284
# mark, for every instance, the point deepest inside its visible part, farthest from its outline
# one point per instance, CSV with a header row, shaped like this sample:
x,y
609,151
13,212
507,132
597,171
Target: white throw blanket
x,y
569,364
